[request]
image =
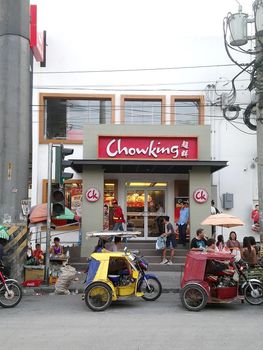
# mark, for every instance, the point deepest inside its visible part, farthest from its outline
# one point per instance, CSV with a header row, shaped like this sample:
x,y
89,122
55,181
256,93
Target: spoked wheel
x,y
12,297
98,296
152,291
193,297
254,296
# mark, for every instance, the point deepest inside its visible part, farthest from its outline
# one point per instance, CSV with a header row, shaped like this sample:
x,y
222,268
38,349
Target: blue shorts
x,y
170,241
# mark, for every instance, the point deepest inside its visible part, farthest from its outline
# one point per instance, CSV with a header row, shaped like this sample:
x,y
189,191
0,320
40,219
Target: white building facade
x,y
86,83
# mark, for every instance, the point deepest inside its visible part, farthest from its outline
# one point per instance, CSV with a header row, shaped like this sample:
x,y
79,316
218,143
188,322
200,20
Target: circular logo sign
x,y
200,195
92,195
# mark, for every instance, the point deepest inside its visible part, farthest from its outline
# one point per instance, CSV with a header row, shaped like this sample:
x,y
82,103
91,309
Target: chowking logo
x,y
148,147
152,149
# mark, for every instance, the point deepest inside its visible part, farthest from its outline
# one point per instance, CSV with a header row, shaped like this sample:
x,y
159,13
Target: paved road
x,y
64,322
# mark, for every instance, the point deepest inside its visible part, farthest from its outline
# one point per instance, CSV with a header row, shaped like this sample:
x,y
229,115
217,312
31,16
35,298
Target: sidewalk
x,y
170,282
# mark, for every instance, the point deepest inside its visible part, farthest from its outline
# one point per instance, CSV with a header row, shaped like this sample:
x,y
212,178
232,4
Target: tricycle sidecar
x,y
215,278
112,275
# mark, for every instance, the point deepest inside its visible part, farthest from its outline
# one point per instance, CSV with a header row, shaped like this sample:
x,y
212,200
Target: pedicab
x,y
114,275
216,278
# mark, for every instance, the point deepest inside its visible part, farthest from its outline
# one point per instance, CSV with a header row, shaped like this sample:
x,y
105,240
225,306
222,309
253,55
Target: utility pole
x,y
15,108
237,26
15,125
259,115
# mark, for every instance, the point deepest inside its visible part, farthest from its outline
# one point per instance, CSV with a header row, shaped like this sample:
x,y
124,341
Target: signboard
x,y
153,148
92,195
200,195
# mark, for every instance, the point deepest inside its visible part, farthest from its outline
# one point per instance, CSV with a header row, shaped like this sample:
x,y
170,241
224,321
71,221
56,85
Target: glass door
x,y
145,208
155,211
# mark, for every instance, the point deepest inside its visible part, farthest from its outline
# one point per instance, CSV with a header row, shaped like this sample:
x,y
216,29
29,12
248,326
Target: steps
x,y
147,250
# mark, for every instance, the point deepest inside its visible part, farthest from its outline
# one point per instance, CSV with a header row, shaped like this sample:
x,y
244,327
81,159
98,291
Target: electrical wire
x,y
134,69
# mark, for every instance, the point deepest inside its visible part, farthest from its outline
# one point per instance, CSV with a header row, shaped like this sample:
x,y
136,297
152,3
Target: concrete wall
x,y
199,178
92,212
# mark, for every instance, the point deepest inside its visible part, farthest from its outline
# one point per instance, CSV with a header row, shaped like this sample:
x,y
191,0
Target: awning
x,y
147,166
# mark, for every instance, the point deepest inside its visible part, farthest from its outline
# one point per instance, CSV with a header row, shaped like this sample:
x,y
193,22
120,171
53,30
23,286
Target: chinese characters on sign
x,y
172,148
92,195
200,195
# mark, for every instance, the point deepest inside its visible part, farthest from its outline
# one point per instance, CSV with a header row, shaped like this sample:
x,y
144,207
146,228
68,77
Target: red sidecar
x,y
214,278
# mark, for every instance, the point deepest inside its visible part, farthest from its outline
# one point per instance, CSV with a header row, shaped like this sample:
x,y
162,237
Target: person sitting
x,y
199,243
220,245
211,245
232,242
38,255
249,253
56,249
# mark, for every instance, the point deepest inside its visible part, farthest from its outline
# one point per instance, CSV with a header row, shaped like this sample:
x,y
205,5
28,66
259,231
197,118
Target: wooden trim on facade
x,y
42,97
161,98
198,98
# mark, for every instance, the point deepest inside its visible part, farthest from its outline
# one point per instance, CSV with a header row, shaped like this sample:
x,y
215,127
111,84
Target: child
x,y
211,245
56,249
38,254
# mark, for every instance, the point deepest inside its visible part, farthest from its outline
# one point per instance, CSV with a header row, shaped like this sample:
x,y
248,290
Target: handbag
x,y
160,243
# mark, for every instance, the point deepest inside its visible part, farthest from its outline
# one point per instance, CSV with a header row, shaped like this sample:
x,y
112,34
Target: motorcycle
x,y
10,290
112,275
216,278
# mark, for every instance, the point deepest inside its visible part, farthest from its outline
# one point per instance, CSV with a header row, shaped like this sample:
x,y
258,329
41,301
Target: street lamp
x,y
235,36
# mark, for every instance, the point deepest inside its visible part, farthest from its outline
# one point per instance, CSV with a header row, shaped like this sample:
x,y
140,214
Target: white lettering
x,y
115,148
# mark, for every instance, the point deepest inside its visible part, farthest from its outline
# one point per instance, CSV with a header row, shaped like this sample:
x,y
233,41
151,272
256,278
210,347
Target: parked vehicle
x,y
10,290
112,275
217,278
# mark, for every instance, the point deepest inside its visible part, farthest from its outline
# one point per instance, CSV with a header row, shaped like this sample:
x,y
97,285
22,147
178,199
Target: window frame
x,y
43,96
191,98
160,98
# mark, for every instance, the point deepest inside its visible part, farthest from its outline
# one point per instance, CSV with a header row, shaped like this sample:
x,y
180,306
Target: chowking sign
x,y
138,147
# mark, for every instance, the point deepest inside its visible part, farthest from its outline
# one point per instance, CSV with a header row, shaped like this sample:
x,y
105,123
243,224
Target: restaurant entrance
x,y
145,206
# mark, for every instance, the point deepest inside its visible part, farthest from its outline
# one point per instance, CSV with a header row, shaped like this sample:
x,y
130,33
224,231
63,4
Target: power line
x,y
134,69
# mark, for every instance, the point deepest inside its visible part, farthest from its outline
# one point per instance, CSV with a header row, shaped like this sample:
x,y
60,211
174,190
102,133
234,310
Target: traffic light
x,y
62,163
57,200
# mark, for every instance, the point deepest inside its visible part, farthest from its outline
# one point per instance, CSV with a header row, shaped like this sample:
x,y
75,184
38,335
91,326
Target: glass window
x,y
186,112
143,112
65,118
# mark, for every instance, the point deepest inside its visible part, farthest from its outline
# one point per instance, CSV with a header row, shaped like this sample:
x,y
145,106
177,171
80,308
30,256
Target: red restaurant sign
x,y
140,147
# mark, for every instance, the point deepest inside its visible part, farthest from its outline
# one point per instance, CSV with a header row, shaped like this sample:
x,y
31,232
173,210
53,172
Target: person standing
x,y
159,218
118,217
255,215
182,222
170,241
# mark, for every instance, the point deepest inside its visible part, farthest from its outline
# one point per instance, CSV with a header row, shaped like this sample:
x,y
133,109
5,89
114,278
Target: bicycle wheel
x,y
98,296
12,297
254,296
152,291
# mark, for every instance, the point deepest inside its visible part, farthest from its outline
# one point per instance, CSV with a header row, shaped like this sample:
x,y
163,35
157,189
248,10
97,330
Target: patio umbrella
x,y
38,213
223,220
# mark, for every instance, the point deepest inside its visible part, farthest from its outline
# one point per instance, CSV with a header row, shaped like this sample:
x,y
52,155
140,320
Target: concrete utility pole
x,y
15,108
237,25
259,92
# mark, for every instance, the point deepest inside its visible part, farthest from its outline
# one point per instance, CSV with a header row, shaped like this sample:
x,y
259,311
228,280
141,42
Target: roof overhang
x,y
147,166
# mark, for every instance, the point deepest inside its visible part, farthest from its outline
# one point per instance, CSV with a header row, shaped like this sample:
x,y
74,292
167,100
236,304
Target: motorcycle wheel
x,y
254,297
193,297
11,299
152,291
98,296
